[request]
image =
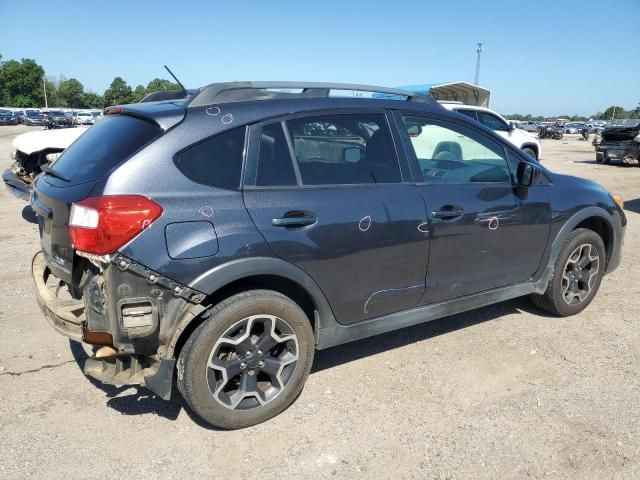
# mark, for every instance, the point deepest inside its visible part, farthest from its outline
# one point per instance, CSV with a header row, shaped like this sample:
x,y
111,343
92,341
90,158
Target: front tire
x,y
578,272
248,360
531,152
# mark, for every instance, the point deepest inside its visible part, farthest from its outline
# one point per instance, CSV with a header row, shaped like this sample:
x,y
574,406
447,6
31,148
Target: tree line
x,y
22,84
614,111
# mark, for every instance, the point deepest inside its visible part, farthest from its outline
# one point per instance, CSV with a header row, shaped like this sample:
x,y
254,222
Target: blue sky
x,y
542,57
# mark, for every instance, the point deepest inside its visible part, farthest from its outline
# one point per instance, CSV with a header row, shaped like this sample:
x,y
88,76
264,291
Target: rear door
x,y
330,195
484,234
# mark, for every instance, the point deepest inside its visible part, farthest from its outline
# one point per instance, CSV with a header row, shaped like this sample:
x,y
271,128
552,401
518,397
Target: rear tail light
x,y
101,225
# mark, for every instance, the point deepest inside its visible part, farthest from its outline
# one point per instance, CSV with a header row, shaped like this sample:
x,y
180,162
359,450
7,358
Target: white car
x,y
493,120
85,118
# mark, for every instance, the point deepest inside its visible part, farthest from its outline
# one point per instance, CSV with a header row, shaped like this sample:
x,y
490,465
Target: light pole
x,y
479,50
44,85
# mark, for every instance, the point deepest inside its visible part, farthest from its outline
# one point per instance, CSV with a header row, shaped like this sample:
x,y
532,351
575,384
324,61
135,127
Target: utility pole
x,y
44,85
479,50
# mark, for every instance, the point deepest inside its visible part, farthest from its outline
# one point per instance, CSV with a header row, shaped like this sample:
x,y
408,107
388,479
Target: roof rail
x,y
245,91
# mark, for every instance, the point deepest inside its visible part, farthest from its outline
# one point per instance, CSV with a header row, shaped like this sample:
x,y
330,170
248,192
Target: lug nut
x,y
261,364
259,353
251,372
243,366
248,354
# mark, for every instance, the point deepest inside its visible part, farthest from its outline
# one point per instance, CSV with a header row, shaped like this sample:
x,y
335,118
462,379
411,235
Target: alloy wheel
x,y
252,362
580,274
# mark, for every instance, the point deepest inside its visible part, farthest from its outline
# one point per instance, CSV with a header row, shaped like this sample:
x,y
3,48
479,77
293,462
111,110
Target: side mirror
x,y
511,127
352,154
528,174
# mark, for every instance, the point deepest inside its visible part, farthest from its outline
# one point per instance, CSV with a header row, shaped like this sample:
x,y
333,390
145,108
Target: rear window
x,y
216,161
104,146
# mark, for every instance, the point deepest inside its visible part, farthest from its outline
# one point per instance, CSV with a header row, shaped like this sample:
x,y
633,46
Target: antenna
x,y
177,81
479,50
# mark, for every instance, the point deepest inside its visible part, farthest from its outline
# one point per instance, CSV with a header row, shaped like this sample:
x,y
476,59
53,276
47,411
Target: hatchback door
x,y
328,195
72,176
484,234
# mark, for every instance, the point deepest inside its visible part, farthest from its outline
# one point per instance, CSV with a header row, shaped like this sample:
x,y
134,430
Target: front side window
x,y
344,149
451,154
216,161
493,122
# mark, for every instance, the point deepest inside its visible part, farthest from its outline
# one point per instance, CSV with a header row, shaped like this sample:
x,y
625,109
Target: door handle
x,y
448,212
294,221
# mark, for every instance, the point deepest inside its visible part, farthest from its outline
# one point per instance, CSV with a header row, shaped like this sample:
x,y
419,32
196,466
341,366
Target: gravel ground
x,y
499,392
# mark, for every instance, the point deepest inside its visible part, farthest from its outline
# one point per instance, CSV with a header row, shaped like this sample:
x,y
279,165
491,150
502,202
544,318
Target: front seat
x,y
448,151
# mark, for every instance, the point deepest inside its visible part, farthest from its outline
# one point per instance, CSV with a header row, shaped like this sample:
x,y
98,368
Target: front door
x,y
484,233
328,195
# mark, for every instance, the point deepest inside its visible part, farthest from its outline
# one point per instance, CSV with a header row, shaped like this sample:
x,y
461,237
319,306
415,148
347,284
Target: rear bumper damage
x,y
132,325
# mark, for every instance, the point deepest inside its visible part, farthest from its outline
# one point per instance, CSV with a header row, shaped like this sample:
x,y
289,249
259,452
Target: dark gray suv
x,y
219,236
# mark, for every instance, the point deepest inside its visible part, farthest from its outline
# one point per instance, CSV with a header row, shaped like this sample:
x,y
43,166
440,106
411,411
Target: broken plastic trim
x,y
182,291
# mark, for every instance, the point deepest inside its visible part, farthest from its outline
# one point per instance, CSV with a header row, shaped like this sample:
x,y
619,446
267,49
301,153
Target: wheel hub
x,y
580,273
252,362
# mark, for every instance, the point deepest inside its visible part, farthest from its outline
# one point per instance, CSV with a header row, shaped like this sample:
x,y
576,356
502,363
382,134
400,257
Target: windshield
x,y
104,146
56,114
34,114
5,113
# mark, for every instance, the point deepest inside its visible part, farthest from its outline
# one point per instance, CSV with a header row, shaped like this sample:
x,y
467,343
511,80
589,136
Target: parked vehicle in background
x,y
33,117
620,141
224,235
551,131
19,115
33,150
85,118
57,119
7,117
529,126
493,120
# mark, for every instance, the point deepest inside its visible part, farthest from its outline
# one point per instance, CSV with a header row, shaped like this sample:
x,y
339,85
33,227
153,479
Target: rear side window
x,y
469,113
104,146
344,149
493,122
216,161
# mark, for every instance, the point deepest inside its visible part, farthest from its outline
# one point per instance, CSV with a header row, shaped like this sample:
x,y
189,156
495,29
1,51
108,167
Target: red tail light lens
x,y
101,225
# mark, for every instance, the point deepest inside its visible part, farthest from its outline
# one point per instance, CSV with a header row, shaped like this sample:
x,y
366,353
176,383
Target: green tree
x,y
21,83
159,84
71,93
614,111
139,93
52,93
93,100
119,92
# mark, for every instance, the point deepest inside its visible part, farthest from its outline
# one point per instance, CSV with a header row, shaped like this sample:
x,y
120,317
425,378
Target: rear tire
x,y
236,370
578,272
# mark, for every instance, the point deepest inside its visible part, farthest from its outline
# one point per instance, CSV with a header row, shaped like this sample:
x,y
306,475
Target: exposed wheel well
x,y
602,228
276,283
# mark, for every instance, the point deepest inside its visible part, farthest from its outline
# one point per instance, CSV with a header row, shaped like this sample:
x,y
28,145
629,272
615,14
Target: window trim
x,y
254,150
245,146
447,123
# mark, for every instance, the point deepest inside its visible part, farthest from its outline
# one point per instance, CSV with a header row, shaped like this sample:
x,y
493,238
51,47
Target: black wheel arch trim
x,y
615,229
533,147
219,277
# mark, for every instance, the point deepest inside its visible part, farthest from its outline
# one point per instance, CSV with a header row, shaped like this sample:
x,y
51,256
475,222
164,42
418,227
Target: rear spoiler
x,y
164,114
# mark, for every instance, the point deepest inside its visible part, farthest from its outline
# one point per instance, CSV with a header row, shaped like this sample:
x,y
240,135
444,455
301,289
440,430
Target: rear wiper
x,y
47,169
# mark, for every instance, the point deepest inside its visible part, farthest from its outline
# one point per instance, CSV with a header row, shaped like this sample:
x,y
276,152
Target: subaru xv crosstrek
x,y
219,236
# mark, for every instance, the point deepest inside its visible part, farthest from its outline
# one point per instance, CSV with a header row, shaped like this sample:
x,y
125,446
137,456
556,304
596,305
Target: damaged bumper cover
x,y
626,150
138,323
16,184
